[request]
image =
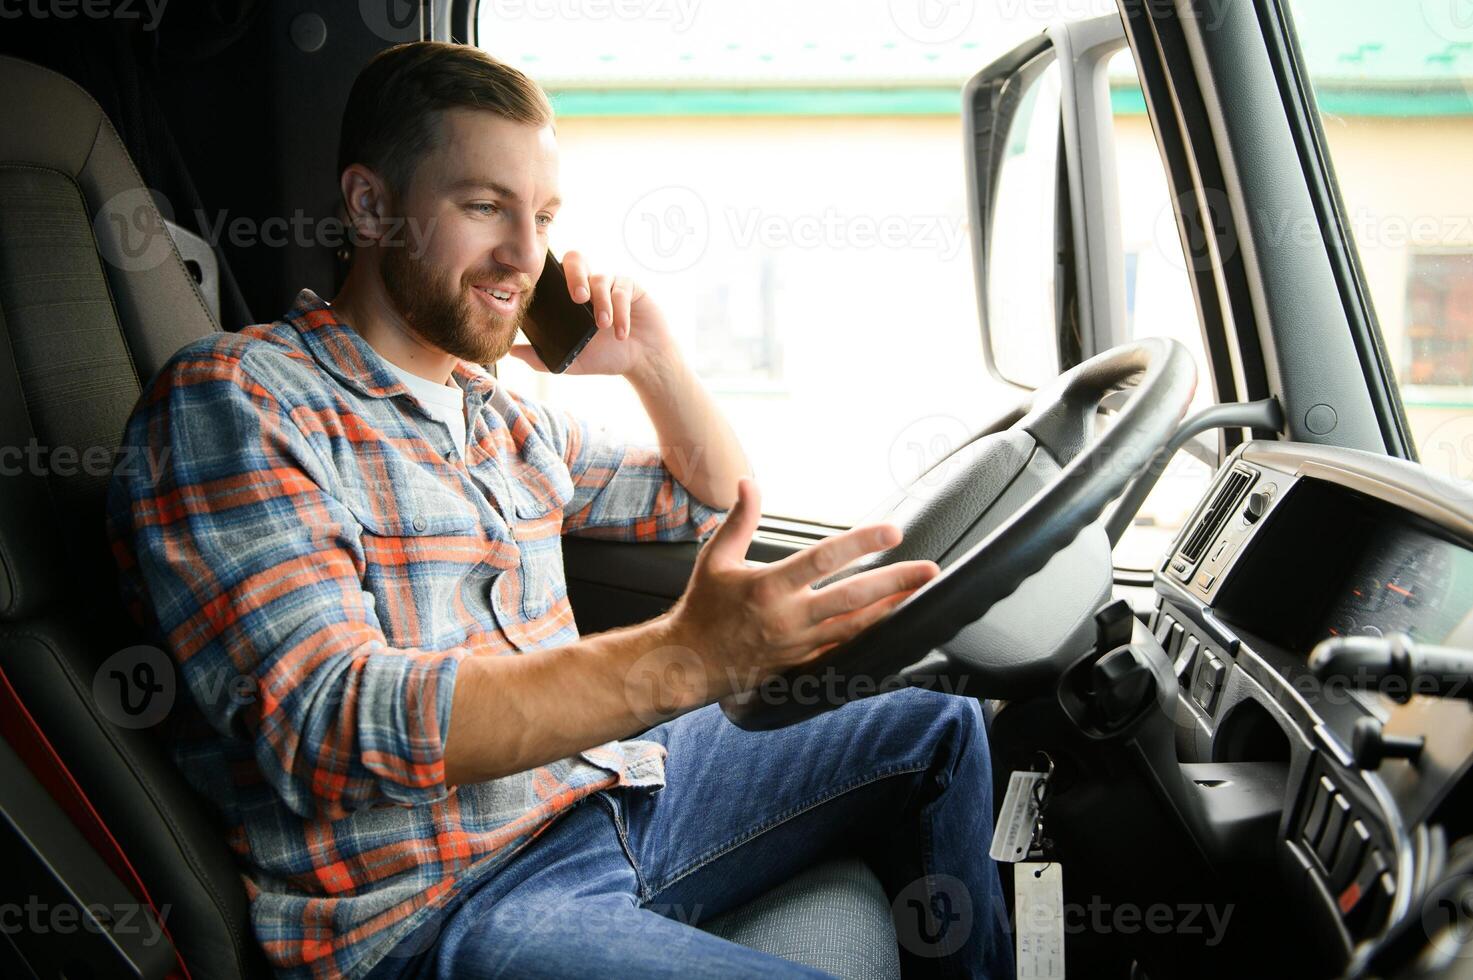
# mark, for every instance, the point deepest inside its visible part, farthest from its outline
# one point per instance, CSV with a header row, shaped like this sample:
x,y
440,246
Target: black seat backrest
x,y
93,300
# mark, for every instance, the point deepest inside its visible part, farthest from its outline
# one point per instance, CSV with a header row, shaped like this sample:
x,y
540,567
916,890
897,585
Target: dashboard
x,y
1293,544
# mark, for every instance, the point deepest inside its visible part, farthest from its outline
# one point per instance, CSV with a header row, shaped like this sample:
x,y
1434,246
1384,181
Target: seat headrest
x,y
94,298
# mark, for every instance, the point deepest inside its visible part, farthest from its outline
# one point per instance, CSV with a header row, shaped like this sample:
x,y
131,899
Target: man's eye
x,y
544,220
484,207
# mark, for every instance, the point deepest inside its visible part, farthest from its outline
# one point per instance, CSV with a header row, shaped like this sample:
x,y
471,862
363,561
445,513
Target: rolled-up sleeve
x,y
252,571
622,490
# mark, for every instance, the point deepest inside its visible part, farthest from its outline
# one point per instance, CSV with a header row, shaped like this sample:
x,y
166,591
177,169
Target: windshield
x,y
1393,85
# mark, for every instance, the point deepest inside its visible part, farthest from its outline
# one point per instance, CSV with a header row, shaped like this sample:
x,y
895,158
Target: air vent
x,y
1215,515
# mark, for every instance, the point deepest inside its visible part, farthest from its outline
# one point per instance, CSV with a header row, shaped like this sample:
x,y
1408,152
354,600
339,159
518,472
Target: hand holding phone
x,y
557,327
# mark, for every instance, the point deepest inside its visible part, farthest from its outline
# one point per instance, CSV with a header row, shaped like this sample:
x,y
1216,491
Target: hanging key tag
x,y
1019,824
1038,919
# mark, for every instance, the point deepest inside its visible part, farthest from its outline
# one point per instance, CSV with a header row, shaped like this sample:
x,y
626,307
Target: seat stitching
x,y
137,772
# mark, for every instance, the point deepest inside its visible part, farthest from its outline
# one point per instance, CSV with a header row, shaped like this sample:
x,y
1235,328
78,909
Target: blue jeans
x,y
614,887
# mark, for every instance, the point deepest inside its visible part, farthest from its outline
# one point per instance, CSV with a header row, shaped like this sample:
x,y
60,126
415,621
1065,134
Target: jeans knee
x,y
961,733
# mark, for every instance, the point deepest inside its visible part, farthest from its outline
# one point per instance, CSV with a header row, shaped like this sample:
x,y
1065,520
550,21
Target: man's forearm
x,y
696,443
512,713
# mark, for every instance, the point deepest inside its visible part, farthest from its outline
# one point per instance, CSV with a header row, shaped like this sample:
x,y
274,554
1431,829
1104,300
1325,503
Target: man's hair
x,y
393,112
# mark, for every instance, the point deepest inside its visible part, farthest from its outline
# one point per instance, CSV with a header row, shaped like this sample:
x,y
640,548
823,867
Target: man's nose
x,y
522,250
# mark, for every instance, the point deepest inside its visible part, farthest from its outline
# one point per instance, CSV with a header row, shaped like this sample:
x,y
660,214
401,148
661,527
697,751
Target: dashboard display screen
x,y
1334,562
1406,581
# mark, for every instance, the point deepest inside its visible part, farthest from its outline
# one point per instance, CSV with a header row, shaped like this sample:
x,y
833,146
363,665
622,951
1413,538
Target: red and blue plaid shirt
x,y
318,558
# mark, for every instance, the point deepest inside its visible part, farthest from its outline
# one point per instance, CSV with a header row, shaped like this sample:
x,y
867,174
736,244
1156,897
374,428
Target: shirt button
x,y
420,524
452,456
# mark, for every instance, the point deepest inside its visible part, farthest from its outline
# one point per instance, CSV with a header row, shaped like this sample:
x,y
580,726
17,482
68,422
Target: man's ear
x,y
367,202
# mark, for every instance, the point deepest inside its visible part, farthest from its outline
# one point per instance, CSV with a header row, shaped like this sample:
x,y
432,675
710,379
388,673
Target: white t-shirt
x,y
445,402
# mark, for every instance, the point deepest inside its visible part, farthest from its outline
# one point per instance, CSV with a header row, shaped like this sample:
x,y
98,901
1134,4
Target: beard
x,y
446,314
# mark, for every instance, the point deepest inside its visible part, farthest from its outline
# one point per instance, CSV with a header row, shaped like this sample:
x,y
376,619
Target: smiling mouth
x,y
503,301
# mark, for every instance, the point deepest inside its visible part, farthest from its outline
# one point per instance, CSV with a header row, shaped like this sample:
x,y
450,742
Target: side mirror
x,y
1044,202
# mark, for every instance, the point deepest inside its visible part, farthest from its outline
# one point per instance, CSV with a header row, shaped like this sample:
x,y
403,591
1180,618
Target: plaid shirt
x,y
318,559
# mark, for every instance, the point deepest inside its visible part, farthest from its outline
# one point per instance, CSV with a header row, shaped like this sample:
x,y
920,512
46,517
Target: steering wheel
x,y
988,543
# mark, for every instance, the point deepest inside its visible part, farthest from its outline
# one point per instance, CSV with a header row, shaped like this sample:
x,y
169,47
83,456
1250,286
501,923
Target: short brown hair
x,y
390,120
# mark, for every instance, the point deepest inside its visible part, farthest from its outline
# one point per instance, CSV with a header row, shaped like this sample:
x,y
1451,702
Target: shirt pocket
x,y
420,539
539,540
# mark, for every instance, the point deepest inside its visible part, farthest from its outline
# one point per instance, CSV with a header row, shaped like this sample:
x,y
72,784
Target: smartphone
x,y
557,327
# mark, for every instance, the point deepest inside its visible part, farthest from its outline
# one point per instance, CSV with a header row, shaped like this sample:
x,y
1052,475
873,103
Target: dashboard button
x,y
1353,845
1163,629
1335,820
1173,641
1350,896
1256,507
1208,683
1314,823
1366,900
1379,904
1188,655
1205,580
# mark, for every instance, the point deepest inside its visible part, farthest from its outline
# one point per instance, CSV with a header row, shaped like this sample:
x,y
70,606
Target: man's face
x,y
478,204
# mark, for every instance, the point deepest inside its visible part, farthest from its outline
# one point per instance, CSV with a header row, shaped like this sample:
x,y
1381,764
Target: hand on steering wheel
x,y
1059,420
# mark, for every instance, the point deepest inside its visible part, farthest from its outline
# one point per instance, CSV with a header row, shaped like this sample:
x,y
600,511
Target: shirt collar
x,y
345,355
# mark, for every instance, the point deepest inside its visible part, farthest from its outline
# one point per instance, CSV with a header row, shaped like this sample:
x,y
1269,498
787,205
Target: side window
x,y
794,199
1394,87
